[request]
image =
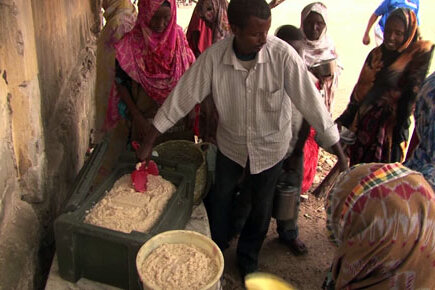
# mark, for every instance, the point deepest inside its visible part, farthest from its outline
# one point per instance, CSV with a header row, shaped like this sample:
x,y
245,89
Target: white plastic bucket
x,y
183,237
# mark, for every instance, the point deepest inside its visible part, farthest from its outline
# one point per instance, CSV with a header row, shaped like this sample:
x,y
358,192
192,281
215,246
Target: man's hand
x,y
366,39
342,162
144,152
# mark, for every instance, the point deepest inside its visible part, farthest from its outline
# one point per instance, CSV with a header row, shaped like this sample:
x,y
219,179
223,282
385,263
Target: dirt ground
x,y
346,25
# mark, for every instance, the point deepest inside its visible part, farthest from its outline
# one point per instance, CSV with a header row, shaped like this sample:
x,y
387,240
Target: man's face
x,y
252,37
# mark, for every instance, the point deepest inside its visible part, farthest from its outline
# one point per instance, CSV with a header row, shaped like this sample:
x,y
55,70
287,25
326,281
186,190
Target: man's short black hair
x,y
239,11
289,33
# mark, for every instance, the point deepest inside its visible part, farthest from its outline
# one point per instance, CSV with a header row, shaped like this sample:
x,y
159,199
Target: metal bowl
x,y
324,68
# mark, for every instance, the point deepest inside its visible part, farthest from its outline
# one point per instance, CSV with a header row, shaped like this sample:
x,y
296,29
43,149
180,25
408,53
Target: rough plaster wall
x,y
47,78
12,239
66,57
21,74
7,169
21,147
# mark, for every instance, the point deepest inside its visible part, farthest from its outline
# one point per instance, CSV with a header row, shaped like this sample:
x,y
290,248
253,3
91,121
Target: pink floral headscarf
x,y
154,60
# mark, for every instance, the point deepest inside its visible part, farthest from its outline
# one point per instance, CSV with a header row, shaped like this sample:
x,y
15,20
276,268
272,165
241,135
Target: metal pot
x,y
324,68
285,202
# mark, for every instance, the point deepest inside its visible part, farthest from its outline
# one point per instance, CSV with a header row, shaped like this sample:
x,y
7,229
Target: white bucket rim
x,y
155,242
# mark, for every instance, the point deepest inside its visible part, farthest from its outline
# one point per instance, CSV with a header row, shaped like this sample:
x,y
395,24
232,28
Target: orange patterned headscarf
x,y
409,19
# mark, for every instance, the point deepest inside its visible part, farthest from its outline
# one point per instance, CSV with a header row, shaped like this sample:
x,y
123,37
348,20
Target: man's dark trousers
x,y
219,204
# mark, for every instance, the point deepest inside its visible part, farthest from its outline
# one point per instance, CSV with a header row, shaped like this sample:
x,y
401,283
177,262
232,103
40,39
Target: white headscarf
x,y
316,50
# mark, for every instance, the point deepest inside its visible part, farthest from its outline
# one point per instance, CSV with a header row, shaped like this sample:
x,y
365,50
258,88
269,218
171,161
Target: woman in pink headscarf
x,y
151,59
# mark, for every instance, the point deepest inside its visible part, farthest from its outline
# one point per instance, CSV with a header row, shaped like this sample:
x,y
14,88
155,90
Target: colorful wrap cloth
x,y
382,217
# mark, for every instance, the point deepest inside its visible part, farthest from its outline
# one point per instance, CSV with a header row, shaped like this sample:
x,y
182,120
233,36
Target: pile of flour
x,y
178,266
123,209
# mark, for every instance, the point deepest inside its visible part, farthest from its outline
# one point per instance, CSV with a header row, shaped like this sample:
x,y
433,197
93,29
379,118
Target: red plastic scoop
x,y
139,177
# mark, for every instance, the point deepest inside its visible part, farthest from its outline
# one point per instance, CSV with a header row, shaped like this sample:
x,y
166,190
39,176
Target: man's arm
x,y
193,87
343,163
306,97
190,90
144,152
372,20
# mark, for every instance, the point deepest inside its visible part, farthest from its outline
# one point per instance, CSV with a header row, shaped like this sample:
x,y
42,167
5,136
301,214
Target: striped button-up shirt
x,y
254,106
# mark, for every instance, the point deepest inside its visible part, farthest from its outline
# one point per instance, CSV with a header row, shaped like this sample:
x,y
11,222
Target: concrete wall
x,y
47,78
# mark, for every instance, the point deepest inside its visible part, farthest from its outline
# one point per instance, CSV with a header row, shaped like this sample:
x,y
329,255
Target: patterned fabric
x,y
120,16
209,33
255,113
382,218
384,97
314,51
154,60
198,28
423,158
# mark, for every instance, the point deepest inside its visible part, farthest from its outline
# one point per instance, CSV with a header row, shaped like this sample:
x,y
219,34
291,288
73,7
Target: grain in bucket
x,y
180,260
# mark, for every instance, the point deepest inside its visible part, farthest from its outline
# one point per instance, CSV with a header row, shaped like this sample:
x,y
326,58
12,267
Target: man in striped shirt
x,y
254,79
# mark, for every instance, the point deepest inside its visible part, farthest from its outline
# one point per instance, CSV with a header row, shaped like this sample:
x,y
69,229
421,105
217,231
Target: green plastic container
x,y
108,256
